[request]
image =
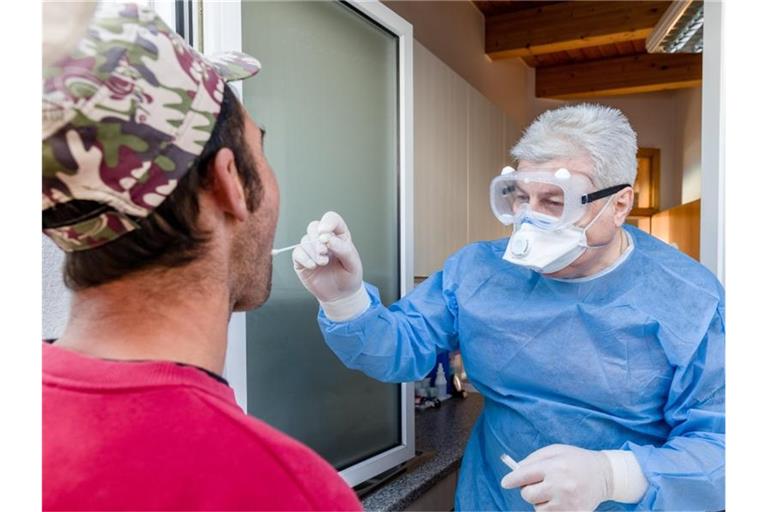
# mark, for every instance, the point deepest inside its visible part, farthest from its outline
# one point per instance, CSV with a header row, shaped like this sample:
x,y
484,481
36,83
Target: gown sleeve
x,y
399,343
688,471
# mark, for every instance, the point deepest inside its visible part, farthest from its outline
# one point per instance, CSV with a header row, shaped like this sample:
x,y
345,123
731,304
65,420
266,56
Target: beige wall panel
x,y
486,158
513,130
454,31
440,161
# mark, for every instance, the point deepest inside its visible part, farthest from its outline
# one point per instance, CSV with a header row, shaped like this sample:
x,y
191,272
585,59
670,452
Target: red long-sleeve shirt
x,y
162,436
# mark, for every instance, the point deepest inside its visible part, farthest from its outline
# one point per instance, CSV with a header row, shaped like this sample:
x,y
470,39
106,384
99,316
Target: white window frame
x,y
166,9
712,250
222,32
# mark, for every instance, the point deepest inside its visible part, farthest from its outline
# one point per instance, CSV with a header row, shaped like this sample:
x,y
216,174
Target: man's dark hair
x,y
169,236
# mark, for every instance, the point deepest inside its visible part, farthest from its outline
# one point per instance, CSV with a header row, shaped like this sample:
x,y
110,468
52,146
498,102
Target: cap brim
x,y
234,65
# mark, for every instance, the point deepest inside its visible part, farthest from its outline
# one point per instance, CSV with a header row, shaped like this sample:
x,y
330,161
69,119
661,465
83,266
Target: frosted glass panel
x,y
327,96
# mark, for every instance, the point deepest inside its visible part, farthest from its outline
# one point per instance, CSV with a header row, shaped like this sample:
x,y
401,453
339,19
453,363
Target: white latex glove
x,y
561,477
329,266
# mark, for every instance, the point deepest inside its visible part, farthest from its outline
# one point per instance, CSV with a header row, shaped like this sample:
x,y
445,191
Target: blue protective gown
x,y
631,360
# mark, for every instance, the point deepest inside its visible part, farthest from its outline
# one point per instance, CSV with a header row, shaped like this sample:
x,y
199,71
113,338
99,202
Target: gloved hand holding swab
x,y
322,238
329,266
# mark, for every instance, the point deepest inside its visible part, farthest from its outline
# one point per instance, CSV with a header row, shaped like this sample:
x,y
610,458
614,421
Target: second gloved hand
x,y
561,477
329,267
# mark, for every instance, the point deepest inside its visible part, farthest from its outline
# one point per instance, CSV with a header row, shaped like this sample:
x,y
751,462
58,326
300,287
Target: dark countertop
x,y
441,434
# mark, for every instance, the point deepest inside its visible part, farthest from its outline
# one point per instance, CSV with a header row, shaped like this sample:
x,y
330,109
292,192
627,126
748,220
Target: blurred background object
x,y
64,24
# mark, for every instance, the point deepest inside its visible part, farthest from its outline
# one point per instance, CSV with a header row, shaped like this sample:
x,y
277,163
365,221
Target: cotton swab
x,y
275,252
322,238
509,461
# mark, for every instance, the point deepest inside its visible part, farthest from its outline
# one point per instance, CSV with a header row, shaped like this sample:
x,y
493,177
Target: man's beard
x,y
252,261
251,257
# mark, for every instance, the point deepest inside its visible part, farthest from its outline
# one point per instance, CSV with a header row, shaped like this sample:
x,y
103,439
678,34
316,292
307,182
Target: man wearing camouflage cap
x,y
156,185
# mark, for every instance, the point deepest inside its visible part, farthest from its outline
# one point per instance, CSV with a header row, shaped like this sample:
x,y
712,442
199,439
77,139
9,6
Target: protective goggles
x,y
545,198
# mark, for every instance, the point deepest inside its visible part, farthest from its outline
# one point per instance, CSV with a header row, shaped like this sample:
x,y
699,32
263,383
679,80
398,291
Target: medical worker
x,y
597,347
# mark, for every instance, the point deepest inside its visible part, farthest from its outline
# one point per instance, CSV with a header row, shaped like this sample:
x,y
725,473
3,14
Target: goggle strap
x,y
594,196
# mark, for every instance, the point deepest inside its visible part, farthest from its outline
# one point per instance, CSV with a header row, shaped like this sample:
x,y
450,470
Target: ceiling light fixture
x,y
680,29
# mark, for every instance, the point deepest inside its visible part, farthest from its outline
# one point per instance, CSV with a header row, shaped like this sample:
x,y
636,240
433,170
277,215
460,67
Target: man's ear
x,y
623,205
226,187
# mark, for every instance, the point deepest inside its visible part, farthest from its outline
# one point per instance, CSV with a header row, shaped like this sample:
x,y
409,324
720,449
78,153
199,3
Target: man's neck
x,y
153,316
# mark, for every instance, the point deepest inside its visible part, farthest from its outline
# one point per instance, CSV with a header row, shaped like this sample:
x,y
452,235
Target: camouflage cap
x,y
124,117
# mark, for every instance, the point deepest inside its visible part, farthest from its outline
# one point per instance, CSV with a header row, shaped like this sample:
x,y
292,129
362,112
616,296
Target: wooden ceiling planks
x,y
491,7
620,75
581,55
568,26
582,48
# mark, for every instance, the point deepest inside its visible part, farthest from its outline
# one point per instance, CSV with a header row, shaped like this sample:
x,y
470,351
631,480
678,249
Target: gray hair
x,y
603,133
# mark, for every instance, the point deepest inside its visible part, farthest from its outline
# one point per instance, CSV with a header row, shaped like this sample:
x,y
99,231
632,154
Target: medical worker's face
x,y
607,227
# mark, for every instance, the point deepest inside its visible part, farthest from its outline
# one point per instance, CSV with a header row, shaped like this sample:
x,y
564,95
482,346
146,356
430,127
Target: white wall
x,y
454,32
486,149
460,144
56,296
689,122
440,161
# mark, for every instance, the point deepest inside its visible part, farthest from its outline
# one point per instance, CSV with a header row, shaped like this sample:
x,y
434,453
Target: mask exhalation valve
x,y
520,246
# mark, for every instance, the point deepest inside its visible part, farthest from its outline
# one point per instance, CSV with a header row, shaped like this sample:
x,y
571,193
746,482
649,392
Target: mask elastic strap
x,y
607,203
594,196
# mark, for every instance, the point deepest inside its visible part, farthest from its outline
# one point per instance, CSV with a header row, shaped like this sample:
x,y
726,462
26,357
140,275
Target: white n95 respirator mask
x,y
544,206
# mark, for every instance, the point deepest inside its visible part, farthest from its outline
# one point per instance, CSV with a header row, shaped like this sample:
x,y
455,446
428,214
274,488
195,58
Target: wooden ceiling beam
x,y
621,75
491,7
568,26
